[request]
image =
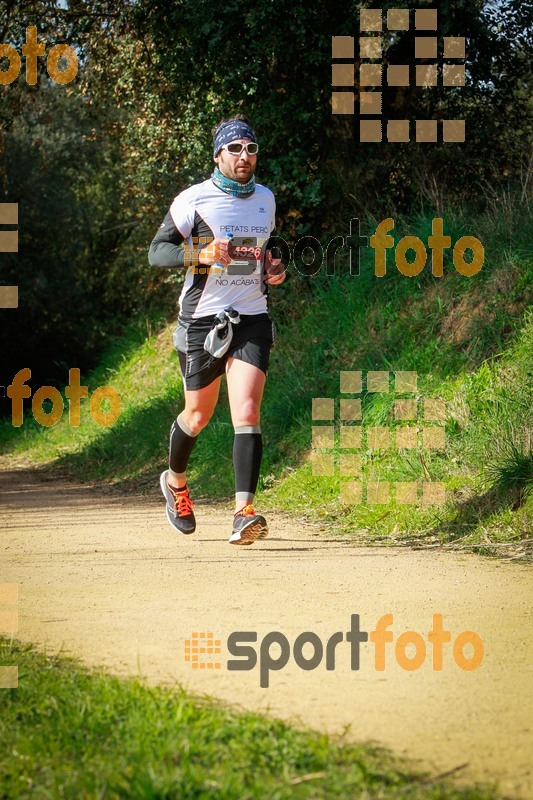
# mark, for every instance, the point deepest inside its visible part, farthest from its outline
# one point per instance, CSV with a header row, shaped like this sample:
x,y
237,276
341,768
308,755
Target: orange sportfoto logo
x,y
33,50
410,650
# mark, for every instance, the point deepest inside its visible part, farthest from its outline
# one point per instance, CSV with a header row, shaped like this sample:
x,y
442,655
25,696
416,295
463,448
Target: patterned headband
x,y
231,130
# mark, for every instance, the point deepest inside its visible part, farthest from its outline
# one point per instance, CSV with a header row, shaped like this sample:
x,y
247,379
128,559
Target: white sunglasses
x,y
236,148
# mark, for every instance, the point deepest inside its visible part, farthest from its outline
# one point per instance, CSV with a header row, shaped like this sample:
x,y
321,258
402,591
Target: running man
x,y
220,229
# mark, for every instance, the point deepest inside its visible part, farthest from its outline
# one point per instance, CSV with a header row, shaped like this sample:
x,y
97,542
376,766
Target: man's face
x,y
238,168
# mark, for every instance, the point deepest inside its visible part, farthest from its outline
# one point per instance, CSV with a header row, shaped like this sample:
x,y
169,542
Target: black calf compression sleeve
x,y
247,454
181,444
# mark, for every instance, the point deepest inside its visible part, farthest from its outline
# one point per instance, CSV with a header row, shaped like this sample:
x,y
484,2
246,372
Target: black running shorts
x,y
252,340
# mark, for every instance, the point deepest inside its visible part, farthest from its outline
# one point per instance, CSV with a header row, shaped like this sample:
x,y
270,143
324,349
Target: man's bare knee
x,y
248,413
196,419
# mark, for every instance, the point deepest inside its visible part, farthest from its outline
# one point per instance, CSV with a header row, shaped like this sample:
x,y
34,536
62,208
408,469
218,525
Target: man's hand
x,y
274,269
215,252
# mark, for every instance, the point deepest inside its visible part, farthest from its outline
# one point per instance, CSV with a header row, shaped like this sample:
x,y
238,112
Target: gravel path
x,y
106,579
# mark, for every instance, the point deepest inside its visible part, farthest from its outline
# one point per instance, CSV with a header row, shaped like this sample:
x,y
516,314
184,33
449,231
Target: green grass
x,y
511,468
73,733
470,340
487,454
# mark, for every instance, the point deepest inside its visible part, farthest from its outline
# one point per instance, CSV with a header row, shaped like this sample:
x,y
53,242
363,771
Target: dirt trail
x,y
107,580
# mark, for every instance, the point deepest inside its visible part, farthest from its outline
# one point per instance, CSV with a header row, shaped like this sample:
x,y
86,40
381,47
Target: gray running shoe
x,y
179,506
248,526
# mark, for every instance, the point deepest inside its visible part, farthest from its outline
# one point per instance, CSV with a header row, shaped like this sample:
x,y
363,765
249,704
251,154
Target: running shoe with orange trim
x,y
248,526
179,506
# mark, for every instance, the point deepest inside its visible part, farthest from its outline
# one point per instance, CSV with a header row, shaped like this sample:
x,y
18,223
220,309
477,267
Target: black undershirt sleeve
x,y
167,248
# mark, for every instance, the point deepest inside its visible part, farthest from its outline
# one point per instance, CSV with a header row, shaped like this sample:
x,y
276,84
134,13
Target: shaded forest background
x,y
94,164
